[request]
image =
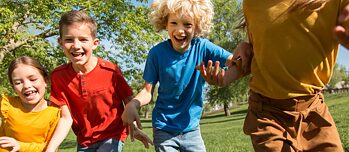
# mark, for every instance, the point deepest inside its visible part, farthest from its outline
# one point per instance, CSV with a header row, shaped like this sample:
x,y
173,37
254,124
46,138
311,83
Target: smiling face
x,y
181,31
78,44
30,85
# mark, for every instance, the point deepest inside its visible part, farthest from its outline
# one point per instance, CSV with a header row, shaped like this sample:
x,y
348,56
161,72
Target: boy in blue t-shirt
x,y
173,64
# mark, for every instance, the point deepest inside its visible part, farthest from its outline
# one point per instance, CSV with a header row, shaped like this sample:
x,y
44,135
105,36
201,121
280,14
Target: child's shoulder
x,y
7,102
107,65
161,46
200,40
7,98
53,108
61,67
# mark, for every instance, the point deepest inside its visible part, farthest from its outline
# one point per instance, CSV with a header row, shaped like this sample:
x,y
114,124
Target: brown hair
x,y
26,61
76,16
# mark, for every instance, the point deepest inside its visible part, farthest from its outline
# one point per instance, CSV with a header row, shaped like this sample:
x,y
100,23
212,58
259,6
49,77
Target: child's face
x,y
78,43
181,31
29,84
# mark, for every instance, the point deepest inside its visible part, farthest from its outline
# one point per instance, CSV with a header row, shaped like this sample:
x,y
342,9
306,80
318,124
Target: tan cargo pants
x,y
291,125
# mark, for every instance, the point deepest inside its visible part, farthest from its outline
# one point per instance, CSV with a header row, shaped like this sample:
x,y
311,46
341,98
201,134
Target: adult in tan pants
x,y
295,45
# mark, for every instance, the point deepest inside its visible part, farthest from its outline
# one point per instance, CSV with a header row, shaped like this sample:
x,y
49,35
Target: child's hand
x,y
213,76
139,135
341,31
8,143
130,115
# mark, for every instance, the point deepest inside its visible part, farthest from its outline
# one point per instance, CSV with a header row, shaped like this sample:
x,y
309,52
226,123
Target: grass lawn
x,y
224,134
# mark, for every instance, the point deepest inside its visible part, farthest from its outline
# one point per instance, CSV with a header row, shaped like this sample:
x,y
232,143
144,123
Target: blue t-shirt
x,y
179,103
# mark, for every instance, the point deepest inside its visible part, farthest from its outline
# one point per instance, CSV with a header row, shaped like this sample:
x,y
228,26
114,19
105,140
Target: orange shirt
x,y
32,129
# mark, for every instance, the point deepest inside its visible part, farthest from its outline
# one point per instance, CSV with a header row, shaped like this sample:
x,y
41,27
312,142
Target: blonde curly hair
x,y
200,10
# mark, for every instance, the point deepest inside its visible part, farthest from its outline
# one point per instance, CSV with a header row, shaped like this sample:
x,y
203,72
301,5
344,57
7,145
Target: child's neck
x,y
41,105
86,68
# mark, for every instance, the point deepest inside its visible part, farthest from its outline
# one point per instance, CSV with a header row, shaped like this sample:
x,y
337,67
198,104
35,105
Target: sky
x,y
343,57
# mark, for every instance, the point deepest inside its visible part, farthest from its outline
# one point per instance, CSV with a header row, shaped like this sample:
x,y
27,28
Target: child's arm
x,y
130,113
238,66
341,31
14,145
62,129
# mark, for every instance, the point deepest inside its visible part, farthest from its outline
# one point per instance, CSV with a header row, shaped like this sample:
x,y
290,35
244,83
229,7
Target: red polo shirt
x,y
94,100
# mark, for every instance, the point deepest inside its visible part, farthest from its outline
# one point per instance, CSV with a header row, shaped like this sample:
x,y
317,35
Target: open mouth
x,y
180,39
77,54
30,93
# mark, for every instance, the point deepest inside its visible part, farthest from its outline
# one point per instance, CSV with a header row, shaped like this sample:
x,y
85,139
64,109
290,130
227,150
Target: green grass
x,y
224,134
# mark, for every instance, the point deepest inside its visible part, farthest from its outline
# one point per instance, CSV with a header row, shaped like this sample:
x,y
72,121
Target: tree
x,y
228,15
30,28
339,75
234,93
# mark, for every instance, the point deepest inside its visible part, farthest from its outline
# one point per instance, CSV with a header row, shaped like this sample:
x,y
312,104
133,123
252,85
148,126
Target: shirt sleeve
x,y
31,146
57,96
215,53
123,89
3,111
53,124
150,73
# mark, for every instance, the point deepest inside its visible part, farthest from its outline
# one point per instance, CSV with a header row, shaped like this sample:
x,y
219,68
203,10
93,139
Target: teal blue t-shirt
x,y
179,103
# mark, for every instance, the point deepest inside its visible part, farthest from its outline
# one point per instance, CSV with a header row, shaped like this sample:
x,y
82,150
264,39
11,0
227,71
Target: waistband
x,y
296,104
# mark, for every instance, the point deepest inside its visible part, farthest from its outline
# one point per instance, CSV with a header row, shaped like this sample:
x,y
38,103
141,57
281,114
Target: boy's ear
x,y
60,41
95,43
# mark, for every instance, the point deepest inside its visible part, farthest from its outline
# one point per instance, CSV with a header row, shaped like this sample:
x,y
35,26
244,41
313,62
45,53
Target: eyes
x,y
18,81
71,40
185,24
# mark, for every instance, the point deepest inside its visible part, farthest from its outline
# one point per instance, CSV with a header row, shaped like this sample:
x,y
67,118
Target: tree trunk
x,y
146,114
226,109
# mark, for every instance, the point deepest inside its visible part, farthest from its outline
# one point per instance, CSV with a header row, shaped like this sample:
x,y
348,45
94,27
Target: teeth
x,y
77,54
180,38
29,93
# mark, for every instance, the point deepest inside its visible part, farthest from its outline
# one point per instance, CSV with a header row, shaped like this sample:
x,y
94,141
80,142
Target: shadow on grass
x,y
243,111
237,115
68,144
146,120
222,121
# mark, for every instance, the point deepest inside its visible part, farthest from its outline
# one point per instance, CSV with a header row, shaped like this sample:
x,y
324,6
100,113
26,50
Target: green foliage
x,y
228,15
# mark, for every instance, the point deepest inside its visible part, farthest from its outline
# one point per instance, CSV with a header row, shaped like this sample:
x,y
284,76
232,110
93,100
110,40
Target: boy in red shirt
x,y
89,90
